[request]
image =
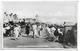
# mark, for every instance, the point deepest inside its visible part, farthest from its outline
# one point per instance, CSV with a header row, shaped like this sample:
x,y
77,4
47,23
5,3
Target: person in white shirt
x,y
35,31
16,31
59,30
52,31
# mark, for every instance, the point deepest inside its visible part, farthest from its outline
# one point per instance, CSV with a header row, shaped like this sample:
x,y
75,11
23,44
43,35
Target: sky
x,y
48,11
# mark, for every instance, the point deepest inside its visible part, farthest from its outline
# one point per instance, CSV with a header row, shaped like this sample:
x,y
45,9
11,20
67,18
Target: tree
x,y
10,14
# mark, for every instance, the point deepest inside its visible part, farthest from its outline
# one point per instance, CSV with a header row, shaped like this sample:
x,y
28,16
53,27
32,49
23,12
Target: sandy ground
x,y
24,42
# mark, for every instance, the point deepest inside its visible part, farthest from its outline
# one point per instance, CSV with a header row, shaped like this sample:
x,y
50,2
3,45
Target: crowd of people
x,y
38,30
20,28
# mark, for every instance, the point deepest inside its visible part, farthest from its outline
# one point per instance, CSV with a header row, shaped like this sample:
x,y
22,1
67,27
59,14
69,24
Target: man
x,y
16,31
56,33
7,31
52,31
39,29
48,29
35,31
60,35
27,29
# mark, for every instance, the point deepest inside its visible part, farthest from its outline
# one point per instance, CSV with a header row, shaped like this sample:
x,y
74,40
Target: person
x,y
11,30
43,33
56,34
39,29
49,34
60,35
52,29
67,37
4,31
48,29
70,39
16,31
27,29
7,31
35,31
22,23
